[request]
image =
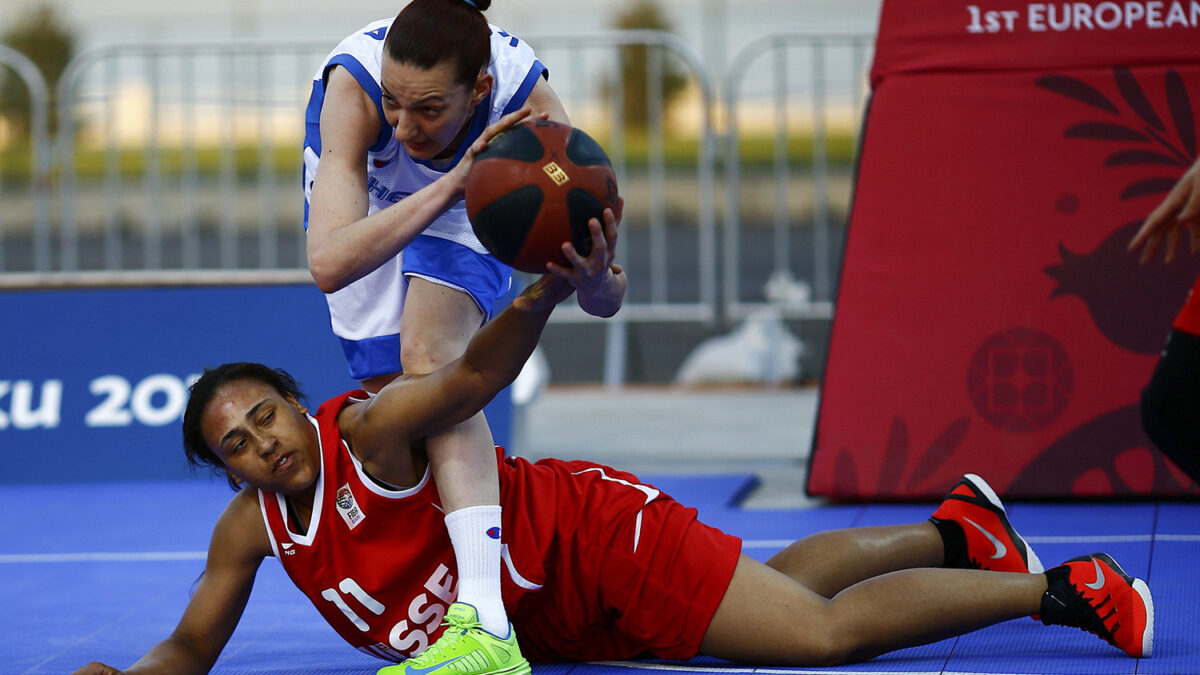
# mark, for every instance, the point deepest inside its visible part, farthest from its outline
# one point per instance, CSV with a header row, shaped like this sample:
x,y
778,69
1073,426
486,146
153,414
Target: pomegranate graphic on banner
x,y
989,317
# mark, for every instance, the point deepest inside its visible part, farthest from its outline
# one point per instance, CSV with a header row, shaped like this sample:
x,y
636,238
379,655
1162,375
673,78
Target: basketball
x,y
536,186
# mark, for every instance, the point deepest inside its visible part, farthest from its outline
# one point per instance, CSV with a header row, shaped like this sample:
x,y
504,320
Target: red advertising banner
x,y
989,318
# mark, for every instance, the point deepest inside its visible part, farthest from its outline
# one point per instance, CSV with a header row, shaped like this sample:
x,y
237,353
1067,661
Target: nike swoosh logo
x,y
1099,577
1001,549
421,671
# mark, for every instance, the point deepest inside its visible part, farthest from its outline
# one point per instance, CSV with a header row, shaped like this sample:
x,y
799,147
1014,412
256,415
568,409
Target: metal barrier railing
x,y
655,304
147,118
651,209
172,100
163,97
813,300
39,177
187,90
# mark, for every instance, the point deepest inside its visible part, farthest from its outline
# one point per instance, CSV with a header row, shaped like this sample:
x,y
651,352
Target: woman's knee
x,y
826,645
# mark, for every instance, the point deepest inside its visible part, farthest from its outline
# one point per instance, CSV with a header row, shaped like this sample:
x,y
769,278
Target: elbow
x,y
326,278
605,312
326,284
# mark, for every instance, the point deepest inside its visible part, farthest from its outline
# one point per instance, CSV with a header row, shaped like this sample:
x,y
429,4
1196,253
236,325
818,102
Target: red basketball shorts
x,y
608,601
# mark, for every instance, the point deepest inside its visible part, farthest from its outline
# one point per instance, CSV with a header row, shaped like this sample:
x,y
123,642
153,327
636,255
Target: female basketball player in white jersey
x,y
397,112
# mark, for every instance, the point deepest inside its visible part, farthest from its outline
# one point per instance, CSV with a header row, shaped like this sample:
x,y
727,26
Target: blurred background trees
x,y
634,74
42,36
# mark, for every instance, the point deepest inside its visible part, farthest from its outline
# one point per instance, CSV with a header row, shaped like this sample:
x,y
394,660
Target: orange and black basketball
x,y
535,187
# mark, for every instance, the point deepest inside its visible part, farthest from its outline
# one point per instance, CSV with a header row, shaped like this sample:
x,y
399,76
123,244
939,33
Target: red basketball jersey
x,y
379,566
1188,319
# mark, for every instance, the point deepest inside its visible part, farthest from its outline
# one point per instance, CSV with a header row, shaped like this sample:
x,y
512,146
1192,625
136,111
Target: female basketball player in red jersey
x,y
597,564
1170,398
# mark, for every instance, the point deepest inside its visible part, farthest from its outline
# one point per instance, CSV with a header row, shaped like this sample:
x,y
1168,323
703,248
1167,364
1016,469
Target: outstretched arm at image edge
x,y
1180,209
414,406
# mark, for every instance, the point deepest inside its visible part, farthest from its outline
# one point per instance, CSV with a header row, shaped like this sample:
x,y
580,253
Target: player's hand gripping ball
x,y
535,187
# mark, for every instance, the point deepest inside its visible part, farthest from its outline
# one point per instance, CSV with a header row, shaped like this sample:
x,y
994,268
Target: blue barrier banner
x,y
93,382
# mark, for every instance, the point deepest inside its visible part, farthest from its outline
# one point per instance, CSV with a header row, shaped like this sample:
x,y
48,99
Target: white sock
x,y
478,557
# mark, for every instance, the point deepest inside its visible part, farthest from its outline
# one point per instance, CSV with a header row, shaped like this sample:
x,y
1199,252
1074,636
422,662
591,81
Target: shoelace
x,y
435,652
1090,619
458,623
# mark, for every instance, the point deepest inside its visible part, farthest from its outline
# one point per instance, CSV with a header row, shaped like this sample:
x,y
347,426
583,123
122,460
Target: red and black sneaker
x,y
976,532
1092,592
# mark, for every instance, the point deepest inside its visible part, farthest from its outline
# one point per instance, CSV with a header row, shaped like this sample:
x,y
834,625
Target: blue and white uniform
x,y
366,314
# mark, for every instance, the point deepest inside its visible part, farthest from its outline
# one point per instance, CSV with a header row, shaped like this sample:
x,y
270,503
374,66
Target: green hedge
x,y
756,152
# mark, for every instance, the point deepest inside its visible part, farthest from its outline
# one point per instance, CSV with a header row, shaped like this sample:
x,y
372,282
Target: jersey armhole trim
x,y
371,87
522,94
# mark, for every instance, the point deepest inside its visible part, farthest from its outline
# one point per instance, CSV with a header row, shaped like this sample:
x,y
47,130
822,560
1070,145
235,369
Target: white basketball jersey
x,y
391,174
366,314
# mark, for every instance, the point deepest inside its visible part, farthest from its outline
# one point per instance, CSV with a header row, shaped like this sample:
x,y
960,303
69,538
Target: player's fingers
x,y
515,116
602,245
582,262
1149,248
583,267
1163,217
500,126
560,271
1148,229
1190,213
580,266
1172,244
610,231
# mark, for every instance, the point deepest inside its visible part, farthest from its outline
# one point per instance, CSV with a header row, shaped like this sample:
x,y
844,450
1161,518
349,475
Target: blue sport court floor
x,y
103,571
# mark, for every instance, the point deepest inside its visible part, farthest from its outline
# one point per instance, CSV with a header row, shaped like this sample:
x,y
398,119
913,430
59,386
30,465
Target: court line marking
x,y
1112,538
633,665
1080,539
158,556
101,557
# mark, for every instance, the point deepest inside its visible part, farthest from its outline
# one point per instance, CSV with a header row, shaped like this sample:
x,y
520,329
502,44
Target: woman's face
x,y
262,437
428,108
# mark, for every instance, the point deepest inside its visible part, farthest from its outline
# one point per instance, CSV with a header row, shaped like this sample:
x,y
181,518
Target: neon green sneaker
x,y
465,648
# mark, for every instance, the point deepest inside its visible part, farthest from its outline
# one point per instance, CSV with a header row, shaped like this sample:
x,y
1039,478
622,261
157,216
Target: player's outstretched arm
x,y
239,543
1180,209
412,407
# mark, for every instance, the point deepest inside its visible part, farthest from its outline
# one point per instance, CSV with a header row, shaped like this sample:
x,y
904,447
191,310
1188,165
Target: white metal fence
x,y
811,78
172,162
36,220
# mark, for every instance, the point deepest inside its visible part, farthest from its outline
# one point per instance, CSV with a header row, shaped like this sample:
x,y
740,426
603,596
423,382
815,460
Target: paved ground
x,y
675,430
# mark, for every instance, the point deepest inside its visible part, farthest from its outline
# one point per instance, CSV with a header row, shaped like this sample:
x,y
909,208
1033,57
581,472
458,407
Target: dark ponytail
x,y
428,32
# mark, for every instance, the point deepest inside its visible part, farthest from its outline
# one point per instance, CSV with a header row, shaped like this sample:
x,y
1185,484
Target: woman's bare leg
x,y
438,323
767,617
828,562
